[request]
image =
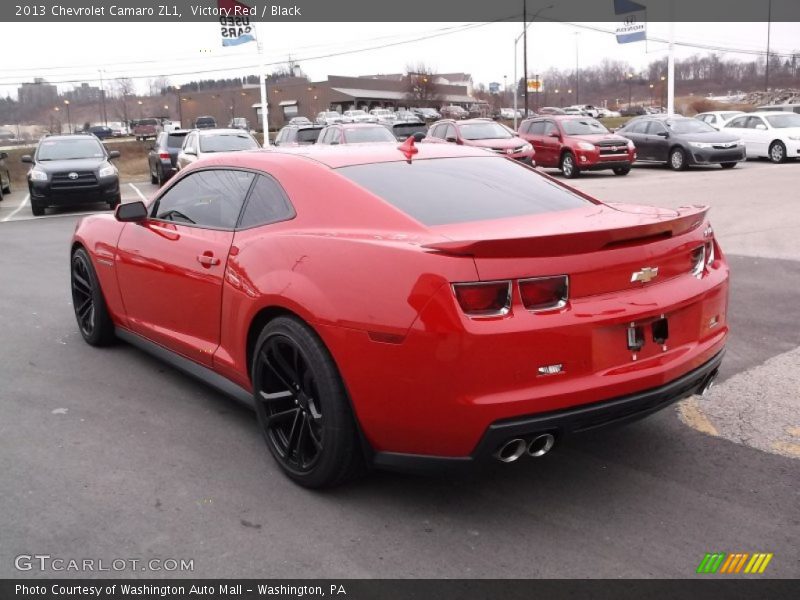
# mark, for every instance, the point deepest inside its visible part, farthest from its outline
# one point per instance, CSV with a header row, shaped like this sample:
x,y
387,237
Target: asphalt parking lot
x,y
111,454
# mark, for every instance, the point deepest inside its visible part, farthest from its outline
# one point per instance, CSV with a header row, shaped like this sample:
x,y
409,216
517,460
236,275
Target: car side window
x,y
335,136
537,128
435,131
754,122
212,199
654,128
450,133
549,128
160,140
267,203
188,145
738,122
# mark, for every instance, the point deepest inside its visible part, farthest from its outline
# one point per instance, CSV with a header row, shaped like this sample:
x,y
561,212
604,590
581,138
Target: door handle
x,y
208,260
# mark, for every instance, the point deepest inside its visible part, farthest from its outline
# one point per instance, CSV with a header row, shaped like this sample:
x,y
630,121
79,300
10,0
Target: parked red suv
x,y
573,144
482,133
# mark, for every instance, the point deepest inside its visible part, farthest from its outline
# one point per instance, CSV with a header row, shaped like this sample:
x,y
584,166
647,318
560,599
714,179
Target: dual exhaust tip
x,y
514,448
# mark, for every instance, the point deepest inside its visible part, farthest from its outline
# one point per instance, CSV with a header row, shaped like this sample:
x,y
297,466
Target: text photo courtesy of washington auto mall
x,y
485,300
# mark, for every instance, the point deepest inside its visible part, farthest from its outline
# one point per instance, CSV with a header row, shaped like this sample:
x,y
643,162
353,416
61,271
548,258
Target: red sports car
x,y
407,306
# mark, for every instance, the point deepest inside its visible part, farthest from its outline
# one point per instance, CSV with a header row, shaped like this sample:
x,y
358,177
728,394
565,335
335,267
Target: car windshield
x,y
227,142
70,149
369,134
484,131
689,126
460,190
783,121
583,126
308,136
148,122
332,113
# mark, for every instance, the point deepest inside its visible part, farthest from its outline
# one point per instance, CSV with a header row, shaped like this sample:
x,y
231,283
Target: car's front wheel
x,y
91,313
621,170
568,166
677,159
302,406
777,152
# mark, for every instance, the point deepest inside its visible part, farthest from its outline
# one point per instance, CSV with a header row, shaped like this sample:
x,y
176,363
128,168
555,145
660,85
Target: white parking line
x,y
141,195
16,210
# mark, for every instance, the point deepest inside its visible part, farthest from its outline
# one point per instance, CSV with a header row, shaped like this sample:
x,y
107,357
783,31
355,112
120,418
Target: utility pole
x,y
103,98
577,69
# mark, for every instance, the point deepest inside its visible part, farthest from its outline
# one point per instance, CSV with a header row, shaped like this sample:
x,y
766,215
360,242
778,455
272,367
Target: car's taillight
x,y
484,299
164,155
710,253
544,293
702,258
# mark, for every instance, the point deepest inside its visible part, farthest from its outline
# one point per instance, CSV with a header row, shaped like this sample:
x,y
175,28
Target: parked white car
x,y
358,116
774,135
718,118
383,115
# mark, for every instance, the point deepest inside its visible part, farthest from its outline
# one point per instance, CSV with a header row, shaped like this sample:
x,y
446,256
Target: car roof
x,y
218,130
341,155
357,125
69,136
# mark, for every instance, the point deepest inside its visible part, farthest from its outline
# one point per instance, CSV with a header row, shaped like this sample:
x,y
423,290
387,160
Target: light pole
x,y
769,30
69,119
103,98
651,94
663,90
141,114
58,119
180,105
524,35
577,69
630,88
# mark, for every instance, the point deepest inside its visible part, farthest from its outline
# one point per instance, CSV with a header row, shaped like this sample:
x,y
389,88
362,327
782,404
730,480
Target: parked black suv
x,y
205,123
5,176
72,169
162,159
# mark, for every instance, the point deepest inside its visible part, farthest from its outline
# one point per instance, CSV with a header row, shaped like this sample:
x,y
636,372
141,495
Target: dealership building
x,y
299,97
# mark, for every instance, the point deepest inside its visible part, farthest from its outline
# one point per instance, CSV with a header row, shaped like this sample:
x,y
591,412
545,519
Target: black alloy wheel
x,y
87,300
302,407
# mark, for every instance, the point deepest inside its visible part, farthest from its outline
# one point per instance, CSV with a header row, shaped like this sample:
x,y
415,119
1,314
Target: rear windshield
x,y
69,149
148,122
403,130
227,142
459,190
175,140
309,135
369,134
484,131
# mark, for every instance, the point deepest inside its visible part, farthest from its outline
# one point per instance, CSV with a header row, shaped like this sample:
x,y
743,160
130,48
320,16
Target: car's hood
x,y
594,138
78,164
499,143
708,136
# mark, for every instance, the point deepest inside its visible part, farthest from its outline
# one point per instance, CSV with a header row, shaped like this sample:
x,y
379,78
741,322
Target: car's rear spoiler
x,y
577,242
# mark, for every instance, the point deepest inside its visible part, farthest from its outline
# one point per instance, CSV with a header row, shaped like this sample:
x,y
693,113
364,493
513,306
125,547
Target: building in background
x,y
39,93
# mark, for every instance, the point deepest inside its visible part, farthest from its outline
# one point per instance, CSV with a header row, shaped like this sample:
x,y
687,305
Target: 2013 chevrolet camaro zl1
x,y
407,306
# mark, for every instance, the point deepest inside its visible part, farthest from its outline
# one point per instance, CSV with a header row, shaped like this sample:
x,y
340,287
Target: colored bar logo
x,y
737,562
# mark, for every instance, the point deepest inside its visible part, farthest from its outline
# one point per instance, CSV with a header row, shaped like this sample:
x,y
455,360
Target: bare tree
x,y
158,85
123,87
420,85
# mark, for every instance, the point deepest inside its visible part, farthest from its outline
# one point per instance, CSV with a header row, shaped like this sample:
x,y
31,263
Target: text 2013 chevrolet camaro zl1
x,y
407,306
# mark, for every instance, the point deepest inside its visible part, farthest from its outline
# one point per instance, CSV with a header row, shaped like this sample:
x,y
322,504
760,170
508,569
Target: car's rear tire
x,y
568,166
153,177
677,159
728,165
7,189
303,410
777,152
622,170
91,312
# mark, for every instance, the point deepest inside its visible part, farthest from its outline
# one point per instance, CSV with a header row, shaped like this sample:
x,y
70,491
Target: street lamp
x,y
651,94
69,119
663,90
180,105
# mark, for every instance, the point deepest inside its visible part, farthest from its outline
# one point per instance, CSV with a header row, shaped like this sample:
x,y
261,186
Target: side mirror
x,y
334,143
113,154
190,152
131,212
451,139
418,136
27,158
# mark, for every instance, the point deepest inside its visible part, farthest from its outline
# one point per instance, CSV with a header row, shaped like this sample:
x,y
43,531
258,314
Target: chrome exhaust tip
x,y
511,450
541,445
708,384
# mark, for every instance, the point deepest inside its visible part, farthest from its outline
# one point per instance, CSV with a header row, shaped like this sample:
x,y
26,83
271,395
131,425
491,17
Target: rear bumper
x,y
609,413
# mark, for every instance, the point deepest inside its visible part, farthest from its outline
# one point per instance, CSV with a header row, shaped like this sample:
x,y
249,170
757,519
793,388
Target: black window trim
x,y
235,228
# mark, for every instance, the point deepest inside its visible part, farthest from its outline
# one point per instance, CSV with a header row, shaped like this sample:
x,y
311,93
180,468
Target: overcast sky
x,y
181,51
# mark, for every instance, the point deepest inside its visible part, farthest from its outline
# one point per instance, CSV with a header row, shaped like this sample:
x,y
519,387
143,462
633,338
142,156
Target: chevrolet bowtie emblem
x,y
645,275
